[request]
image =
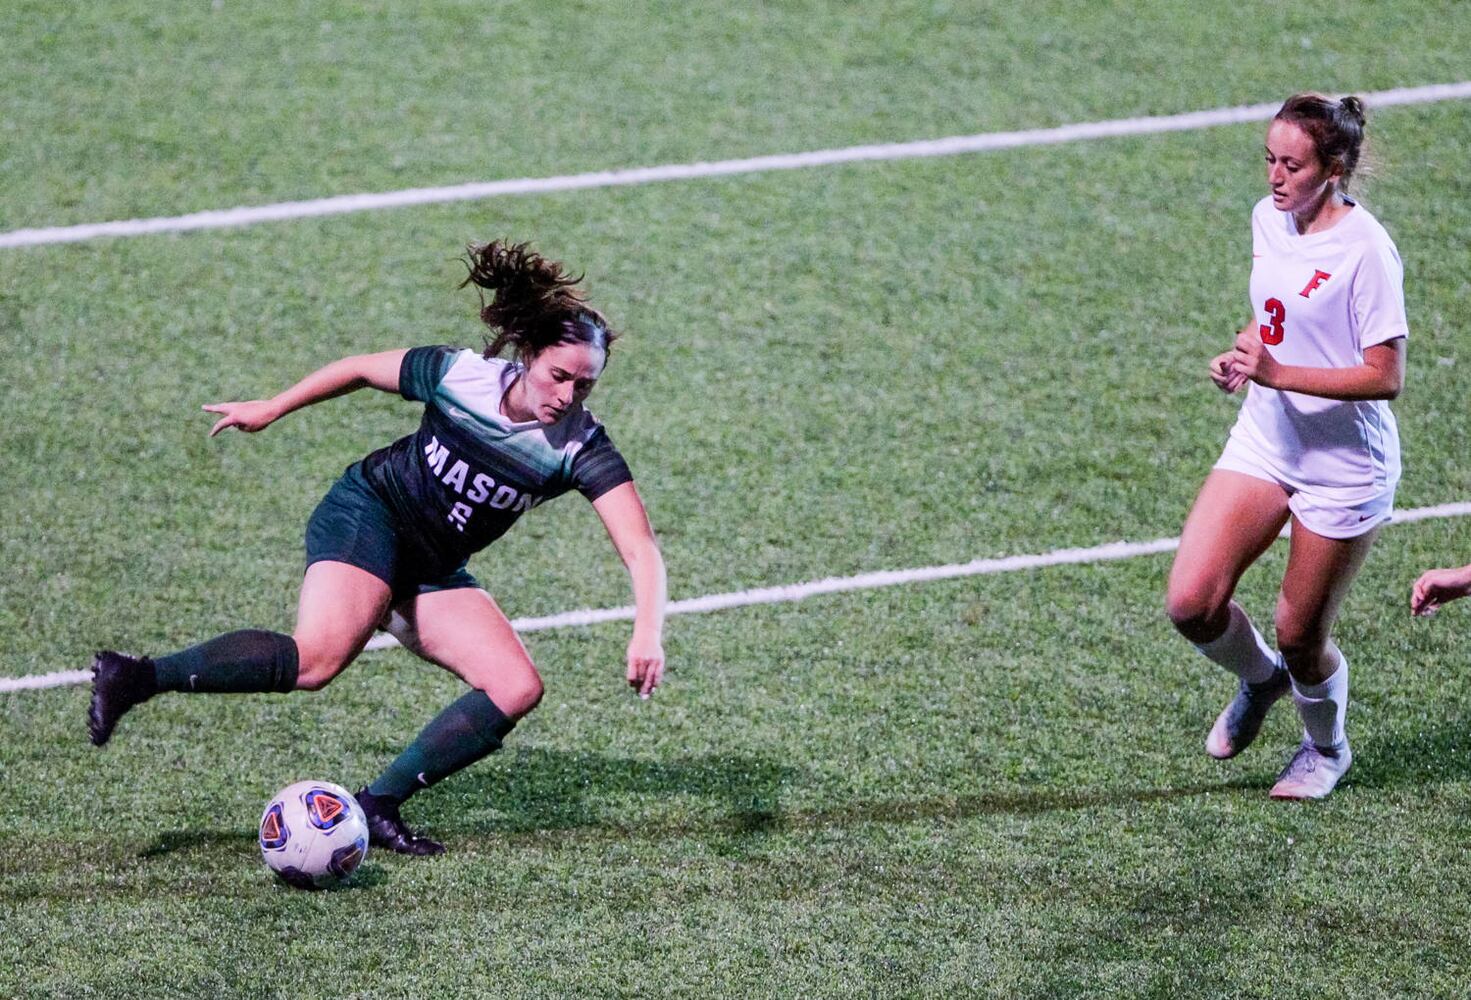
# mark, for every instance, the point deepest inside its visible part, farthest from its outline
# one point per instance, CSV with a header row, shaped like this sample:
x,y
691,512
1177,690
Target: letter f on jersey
x,y
1317,279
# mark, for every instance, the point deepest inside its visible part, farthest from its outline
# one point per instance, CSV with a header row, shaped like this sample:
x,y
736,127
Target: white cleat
x,y
1240,721
1312,773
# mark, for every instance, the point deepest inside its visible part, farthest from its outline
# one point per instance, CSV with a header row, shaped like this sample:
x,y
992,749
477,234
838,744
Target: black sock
x,y
236,662
469,728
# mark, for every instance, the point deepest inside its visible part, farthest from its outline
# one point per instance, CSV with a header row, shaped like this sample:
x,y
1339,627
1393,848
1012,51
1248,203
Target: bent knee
x,y
1195,612
317,667
1297,638
516,695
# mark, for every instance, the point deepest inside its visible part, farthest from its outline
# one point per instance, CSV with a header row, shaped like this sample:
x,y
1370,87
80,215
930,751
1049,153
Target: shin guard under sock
x,y
236,662
469,728
1242,650
1323,706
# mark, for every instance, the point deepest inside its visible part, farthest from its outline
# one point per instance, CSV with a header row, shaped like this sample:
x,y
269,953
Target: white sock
x,y
1242,650
1322,707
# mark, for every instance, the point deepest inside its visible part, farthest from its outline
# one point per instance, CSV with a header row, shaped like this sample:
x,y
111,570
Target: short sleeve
x,y
1379,296
598,467
1258,224
422,369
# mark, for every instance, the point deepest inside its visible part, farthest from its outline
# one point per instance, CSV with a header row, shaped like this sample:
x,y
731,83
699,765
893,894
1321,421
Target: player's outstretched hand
x,y
1439,586
645,664
1226,379
252,416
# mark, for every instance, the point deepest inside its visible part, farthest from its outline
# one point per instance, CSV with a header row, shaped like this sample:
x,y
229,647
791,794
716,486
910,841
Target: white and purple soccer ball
x,y
313,834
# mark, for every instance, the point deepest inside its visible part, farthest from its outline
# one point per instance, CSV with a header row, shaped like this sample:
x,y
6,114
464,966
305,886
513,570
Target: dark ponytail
x,y
534,303
1336,128
1353,107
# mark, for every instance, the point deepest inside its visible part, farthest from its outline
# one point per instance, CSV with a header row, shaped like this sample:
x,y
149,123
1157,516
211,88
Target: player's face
x,y
1298,179
559,378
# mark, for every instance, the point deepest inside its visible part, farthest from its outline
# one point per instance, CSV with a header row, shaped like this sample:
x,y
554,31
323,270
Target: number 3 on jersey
x,y
1276,312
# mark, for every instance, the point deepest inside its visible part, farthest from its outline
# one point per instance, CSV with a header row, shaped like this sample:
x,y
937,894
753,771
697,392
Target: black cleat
x,y
387,829
118,683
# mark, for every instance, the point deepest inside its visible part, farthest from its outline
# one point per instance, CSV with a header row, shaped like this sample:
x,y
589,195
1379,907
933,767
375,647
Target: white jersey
x,y
1320,300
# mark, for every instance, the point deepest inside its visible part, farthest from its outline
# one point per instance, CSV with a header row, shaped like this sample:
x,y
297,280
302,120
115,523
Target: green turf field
x,y
992,786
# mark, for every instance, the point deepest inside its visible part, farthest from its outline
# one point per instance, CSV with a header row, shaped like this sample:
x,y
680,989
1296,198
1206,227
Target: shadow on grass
x,y
730,802
545,791
1439,752
550,798
1004,803
544,796
540,792
548,790
186,840
367,876
551,795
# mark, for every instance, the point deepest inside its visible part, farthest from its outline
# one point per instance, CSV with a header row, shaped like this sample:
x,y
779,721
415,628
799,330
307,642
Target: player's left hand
x,y
1251,359
250,416
645,663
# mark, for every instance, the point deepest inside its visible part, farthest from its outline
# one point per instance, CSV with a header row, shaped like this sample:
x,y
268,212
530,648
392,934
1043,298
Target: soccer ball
x,y
313,834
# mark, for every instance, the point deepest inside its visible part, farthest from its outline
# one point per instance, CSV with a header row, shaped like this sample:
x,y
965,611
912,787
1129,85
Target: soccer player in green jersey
x,y
387,546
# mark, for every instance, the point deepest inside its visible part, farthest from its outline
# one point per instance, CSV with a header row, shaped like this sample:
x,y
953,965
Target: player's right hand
x,y
1439,586
645,663
1226,378
252,416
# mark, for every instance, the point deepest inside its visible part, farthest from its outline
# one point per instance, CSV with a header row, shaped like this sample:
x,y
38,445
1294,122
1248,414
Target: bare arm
x,y
623,514
377,370
1381,376
1439,586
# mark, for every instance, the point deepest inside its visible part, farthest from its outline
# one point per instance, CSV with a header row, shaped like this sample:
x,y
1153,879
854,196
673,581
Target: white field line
x,y
812,588
951,146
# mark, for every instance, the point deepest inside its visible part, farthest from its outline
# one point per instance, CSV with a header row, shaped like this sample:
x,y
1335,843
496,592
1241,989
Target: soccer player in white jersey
x,y
1314,444
388,544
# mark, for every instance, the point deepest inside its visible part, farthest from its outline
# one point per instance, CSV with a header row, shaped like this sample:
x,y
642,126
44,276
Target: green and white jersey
x,y
465,476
